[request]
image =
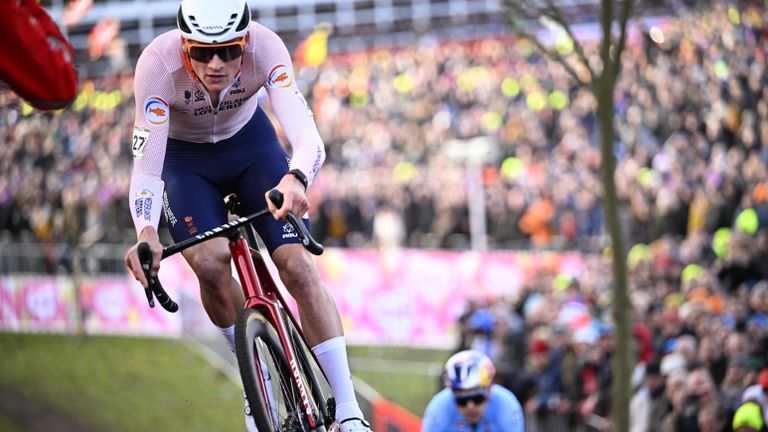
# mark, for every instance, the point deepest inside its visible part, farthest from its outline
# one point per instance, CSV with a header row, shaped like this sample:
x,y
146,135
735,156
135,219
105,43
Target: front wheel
x,y
275,400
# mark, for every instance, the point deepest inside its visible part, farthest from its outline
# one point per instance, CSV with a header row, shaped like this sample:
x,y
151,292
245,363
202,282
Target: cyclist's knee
x,y
211,265
297,271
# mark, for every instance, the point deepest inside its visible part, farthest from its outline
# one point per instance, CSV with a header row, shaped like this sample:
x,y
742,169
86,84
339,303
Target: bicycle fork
x,y
266,301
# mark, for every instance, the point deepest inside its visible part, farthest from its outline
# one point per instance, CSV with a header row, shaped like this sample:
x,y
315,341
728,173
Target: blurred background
x,y
459,204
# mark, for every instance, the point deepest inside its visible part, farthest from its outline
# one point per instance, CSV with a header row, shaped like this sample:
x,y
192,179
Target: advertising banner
x,y
399,297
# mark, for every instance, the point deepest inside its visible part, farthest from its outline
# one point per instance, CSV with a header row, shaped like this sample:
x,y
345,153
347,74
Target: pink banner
x,y
44,303
412,297
403,297
9,317
110,305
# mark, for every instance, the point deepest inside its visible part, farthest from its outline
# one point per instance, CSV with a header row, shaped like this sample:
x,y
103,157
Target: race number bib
x,y
140,137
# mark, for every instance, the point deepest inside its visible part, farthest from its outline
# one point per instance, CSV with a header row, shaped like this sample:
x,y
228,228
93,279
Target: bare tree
x,y
601,77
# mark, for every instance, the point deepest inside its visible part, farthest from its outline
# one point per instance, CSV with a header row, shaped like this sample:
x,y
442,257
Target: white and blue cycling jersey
x,y
503,414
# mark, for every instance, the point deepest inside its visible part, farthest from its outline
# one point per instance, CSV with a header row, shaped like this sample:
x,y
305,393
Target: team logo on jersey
x,y
156,110
280,77
143,204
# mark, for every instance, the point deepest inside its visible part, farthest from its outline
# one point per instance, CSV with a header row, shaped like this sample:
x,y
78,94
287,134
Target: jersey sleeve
x,y
438,415
290,107
36,61
507,414
154,93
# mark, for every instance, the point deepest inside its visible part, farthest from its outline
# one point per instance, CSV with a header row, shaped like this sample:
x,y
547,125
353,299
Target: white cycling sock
x,y
229,335
332,356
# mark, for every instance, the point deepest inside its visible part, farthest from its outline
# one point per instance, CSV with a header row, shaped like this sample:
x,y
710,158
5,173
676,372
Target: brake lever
x,y
309,243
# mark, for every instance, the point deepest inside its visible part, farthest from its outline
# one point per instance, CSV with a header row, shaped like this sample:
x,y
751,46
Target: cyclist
x,y
470,401
37,61
200,134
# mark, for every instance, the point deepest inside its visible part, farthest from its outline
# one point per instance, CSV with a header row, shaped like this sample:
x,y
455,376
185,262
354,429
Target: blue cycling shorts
x,y
198,176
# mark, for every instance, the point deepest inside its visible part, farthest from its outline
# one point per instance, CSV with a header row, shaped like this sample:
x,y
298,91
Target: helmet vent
x,y
182,23
246,18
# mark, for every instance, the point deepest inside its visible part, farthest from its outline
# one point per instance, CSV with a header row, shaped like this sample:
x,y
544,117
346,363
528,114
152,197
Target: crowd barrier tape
x,y
398,297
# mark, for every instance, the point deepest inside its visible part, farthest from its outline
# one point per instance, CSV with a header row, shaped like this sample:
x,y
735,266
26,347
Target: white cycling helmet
x,y
468,370
213,21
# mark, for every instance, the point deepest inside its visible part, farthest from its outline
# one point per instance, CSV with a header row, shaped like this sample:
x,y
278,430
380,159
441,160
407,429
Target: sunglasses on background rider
x,y
227,51
476,399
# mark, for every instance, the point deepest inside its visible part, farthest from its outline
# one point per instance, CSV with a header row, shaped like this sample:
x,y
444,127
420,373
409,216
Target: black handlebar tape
x,y
165,300
145,258
276,197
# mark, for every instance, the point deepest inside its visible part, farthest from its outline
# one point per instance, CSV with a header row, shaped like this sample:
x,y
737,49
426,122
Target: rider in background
x,y
36,61
199,135
470,401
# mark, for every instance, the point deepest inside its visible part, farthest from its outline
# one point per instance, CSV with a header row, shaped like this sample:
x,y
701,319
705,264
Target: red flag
x,y
102,34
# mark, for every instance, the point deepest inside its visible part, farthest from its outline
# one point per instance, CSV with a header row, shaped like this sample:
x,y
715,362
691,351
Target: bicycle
x,y
285,387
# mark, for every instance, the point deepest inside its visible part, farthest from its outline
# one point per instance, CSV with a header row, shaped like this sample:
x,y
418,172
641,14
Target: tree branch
x,y
556,15
626,12
519,8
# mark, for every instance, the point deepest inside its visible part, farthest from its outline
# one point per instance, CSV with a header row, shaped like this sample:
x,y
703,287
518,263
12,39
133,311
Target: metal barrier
x,y
59,258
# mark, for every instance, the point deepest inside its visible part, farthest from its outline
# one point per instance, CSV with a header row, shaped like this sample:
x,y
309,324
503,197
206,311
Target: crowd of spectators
x,y
699,345
692,119
398,124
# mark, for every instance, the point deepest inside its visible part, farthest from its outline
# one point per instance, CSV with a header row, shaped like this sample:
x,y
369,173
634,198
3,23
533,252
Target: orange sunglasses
x,y
226,51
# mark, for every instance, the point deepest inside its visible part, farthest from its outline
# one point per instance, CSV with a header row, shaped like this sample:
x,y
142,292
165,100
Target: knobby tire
x,y
256,341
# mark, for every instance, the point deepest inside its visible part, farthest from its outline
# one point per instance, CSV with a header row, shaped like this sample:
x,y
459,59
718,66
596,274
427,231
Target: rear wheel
x,y
274,399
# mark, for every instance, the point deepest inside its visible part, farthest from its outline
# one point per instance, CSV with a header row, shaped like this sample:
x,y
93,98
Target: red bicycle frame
x,y
253,272
258,286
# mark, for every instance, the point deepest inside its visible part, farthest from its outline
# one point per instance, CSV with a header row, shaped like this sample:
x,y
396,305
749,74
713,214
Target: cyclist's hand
x,y
149,235
294,198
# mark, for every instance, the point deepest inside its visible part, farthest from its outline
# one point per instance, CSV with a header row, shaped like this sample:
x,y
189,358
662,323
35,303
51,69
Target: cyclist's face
x,y
216,74
472,405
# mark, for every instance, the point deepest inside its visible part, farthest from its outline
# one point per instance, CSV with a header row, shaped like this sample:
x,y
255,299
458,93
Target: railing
x,y
60,258
25,255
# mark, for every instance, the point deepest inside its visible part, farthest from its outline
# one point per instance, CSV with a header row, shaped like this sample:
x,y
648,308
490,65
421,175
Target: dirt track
x,y
30,415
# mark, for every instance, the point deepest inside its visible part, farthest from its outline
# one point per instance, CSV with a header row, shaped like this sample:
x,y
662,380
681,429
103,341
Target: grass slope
x,y
7,426
121,384
407,376
138,384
